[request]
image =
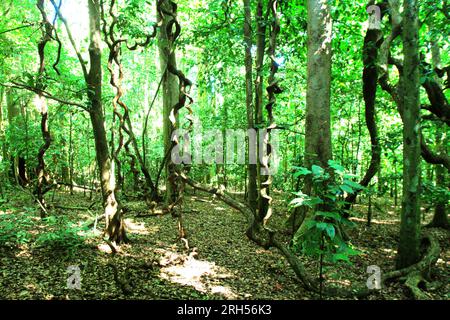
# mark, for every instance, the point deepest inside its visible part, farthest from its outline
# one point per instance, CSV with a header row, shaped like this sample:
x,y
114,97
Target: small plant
x,y
322,237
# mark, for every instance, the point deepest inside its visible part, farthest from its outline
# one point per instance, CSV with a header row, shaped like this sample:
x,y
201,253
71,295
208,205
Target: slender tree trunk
x,y
170,97
262,21
251,187
115,226
408,248
318,127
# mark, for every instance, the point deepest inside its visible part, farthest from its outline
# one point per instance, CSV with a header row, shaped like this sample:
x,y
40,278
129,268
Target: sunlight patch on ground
x,y
263,251
24,252
105,248
6,212
375,221
188,271
140,228
343,282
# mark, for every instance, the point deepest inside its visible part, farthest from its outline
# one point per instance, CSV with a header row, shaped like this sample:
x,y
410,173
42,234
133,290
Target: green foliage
x,y
14,229
432,193
61,235
322,234
58,233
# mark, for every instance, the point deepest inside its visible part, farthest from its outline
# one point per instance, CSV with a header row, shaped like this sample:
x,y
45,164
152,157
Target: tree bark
x,y
170,94
252,175
408,248
115,226
317,130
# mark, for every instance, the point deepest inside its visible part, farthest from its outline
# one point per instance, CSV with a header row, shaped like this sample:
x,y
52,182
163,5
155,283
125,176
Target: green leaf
x,y
317,171
301,172
353,184
346,188
331,231
340,257
337,167
332,215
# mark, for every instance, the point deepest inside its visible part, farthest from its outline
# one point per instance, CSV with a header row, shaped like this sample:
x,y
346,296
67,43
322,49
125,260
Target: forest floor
x,y
35,254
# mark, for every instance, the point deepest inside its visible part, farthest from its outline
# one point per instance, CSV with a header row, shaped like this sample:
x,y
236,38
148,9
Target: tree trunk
x,y
170,96
408,248
262,21
317,130
252,175
115,226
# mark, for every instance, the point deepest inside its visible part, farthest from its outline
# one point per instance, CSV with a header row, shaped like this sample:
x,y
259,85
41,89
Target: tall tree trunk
x,y
408,248
115,226
262,21
317,130
252,174
170,95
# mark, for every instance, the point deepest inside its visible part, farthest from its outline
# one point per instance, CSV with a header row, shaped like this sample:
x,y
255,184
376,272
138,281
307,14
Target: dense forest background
x,y
122,123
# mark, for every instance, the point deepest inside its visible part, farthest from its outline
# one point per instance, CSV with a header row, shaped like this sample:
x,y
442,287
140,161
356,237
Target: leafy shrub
x,y
322,236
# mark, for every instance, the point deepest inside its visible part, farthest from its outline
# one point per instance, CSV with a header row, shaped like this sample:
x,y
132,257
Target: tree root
x,y
424,265
413,281
416,276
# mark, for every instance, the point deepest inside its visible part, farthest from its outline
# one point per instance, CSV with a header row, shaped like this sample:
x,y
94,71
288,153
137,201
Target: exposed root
x,y
424,265
414,282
